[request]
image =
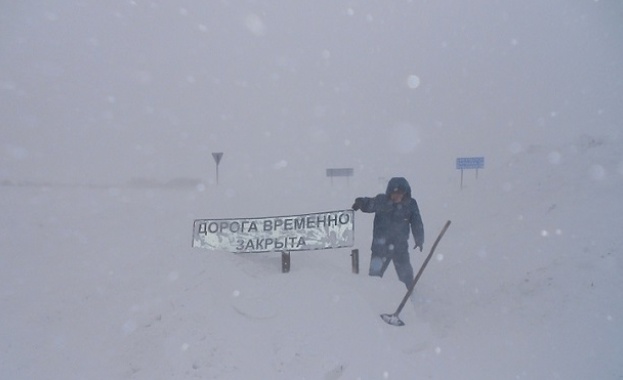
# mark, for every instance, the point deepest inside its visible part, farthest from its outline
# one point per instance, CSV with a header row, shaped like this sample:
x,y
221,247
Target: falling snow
x,y
111,112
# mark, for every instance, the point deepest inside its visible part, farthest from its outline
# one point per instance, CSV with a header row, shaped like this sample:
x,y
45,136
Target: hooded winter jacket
x,y
393,221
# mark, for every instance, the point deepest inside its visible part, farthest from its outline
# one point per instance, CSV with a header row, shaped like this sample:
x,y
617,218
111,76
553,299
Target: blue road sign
x,y
470,163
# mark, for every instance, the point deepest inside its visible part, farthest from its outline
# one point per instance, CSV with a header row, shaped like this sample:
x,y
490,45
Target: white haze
x,y
110,113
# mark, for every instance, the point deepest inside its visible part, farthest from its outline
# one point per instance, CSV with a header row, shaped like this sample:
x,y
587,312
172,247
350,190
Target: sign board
x,y
470,163
217,157
332,229
340,172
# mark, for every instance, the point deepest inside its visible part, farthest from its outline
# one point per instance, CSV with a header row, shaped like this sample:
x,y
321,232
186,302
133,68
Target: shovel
x,y
393,319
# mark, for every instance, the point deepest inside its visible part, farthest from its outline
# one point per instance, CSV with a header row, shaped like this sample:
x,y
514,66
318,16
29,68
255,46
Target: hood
x,y
399,183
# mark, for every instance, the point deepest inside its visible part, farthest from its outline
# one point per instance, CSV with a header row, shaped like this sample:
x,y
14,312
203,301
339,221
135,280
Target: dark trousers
x,y
402,264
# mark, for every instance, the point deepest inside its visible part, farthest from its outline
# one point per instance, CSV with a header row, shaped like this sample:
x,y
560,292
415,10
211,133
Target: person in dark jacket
x,y
396,213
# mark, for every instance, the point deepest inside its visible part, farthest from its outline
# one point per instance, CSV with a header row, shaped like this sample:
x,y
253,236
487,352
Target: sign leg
x,y
285,262
355,260
461,179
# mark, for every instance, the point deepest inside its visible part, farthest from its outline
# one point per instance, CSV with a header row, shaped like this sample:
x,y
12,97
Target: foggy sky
x,y
93,92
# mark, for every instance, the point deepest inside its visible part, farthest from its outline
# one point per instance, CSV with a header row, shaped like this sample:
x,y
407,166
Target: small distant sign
x,y
470,163
333,229
340,172
217,157
463,163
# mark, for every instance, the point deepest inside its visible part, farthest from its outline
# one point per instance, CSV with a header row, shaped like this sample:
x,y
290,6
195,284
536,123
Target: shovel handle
x,y
419,273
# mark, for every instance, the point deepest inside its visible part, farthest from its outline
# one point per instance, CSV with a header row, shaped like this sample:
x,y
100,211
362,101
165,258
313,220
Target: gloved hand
x,y
418,245
357,205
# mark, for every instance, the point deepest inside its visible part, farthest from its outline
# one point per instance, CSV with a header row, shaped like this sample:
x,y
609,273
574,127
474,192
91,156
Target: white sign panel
x,y
324,230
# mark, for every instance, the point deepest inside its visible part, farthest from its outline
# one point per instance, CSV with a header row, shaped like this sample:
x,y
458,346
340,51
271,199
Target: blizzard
x,y
122,123
103,283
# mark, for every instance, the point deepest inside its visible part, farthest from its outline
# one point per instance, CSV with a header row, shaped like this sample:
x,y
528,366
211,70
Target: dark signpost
x,y
463,163
217,158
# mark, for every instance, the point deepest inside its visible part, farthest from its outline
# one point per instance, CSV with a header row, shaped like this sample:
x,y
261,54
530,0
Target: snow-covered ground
x,y
101,283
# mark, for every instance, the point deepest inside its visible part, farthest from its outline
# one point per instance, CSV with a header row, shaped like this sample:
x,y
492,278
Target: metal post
x,y
355,260
217,159
285,262
461,179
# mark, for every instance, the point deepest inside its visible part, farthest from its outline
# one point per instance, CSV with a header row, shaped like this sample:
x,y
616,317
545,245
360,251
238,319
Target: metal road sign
x,y
217,157
340,172
470,163
332,229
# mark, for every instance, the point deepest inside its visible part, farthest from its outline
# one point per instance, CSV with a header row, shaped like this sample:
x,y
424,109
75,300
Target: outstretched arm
x,y
366,204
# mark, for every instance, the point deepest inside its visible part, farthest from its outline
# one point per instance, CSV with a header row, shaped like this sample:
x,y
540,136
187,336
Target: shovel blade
x,y
392,319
